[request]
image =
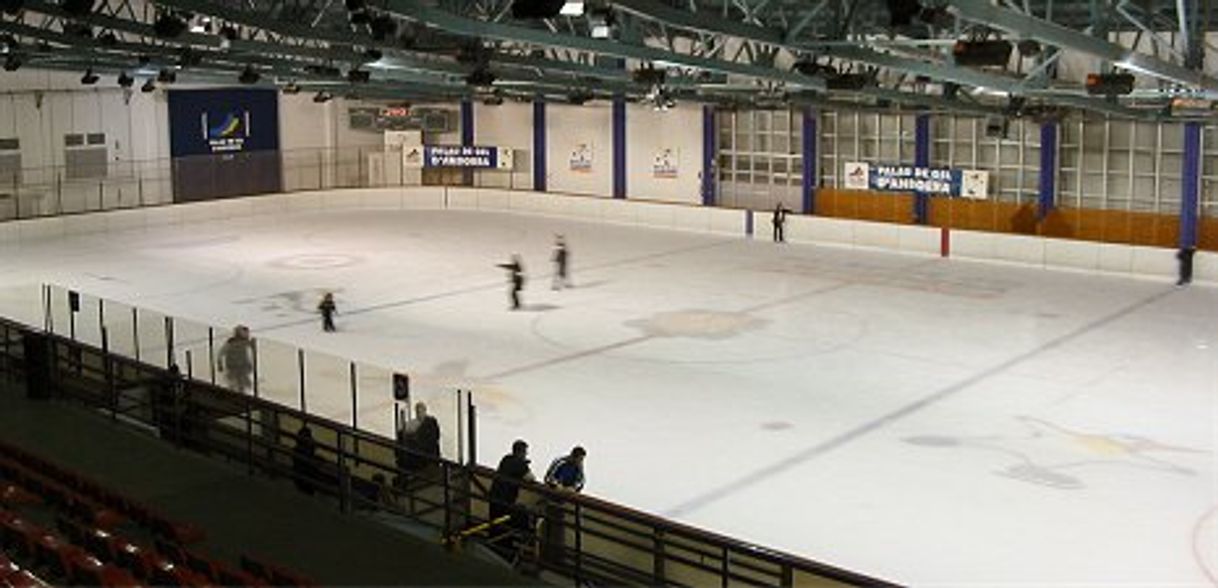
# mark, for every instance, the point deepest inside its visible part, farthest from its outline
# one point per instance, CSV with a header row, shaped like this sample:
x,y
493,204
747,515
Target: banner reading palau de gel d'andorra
x,y
936,181
457,156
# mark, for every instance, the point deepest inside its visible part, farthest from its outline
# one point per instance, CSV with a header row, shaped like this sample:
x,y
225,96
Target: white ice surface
x,y
933,422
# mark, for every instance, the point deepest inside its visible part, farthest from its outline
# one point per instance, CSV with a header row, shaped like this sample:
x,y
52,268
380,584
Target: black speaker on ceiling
x,y
902,12
535,9
168,26
991,53
848,81
1111,84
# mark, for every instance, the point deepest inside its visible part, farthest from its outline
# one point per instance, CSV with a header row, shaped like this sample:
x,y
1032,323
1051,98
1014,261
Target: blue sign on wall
x,y
460,156
911,178
206,122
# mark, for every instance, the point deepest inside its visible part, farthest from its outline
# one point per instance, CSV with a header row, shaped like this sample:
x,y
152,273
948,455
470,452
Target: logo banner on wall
x,y
938,181
225,132
581,158
457,156
665,163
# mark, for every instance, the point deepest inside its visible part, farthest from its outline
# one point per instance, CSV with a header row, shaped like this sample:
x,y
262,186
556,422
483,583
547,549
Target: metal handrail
x,y
631,538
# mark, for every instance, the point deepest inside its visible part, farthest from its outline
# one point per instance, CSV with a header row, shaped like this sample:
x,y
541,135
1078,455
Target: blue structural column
x,y
708,155
809,162
619,146
467,123
539,145
921,159
1190,184
467,135
1047,192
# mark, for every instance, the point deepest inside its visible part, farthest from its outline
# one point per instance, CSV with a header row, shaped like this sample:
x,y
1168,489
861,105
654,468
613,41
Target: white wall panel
x,y
647,132
568,126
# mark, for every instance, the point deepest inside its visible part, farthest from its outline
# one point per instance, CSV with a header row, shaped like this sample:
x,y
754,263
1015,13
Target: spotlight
x,y
167,76
201,24
536,9
148,86
291,88
108,39
228,32
11,7
125,80
358,76
89,78
12,62
322,97
168,26
77,7
248,75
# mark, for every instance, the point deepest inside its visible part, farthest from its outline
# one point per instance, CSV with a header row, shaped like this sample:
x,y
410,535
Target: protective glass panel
x,y
277,369
328,386
153,333
195,350
120,322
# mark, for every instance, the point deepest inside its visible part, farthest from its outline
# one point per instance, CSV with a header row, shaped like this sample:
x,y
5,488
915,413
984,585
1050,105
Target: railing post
x,y
249,435
579,544
169,343
723,570
108,369
657,554
254,384
135,331
101,196
344,482
211,354
448,503
300,363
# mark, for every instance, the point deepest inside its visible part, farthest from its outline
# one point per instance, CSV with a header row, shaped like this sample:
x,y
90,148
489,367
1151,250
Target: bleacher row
x,y
101,538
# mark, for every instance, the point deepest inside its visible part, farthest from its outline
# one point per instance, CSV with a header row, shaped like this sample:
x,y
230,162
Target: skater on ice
x,y
328,309
515,279
562,259
779,222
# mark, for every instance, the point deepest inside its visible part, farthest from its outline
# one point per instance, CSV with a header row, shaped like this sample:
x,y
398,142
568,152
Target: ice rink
x,y
932,422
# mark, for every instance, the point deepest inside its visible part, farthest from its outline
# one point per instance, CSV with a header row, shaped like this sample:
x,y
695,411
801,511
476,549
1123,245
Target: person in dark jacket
x,y
304,460
513,469
1185,257
567,472
515,279
779,222
421,436
328,309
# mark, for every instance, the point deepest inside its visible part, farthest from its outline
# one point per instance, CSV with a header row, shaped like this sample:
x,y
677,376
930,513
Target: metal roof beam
x,y
415,10
1016,23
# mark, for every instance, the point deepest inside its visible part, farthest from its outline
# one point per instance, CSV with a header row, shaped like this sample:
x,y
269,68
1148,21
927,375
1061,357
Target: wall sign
x,y
581,158
666,162
936,181
457,156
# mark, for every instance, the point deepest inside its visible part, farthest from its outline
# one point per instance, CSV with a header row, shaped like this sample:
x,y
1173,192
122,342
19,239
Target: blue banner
x,y
938,181
207,122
